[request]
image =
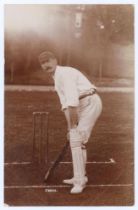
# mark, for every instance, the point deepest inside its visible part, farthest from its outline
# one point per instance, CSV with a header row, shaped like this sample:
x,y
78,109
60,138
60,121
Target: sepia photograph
x,y
69,105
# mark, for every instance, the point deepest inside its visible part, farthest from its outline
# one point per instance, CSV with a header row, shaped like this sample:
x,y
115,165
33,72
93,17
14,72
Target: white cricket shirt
x,y
70,84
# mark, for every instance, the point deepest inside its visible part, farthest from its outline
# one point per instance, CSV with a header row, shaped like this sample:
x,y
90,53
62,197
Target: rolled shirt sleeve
x,y
71,93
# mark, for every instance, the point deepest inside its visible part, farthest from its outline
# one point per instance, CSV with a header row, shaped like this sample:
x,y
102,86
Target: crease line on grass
x,y
111,161
66,186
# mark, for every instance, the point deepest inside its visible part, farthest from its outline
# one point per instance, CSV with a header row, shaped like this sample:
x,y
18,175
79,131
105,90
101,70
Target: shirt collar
x,y
57,68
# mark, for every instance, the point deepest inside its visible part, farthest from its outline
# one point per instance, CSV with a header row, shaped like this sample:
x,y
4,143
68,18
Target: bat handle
x,y
46,176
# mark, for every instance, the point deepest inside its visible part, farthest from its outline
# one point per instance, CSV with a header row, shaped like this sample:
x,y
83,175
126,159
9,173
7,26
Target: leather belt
x,y
88,94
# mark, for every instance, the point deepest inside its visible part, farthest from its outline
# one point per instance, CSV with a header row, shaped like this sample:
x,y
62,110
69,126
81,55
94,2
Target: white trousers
x,y
89,110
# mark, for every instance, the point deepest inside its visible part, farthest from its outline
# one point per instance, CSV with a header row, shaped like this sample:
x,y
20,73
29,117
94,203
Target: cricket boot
x,y
72,180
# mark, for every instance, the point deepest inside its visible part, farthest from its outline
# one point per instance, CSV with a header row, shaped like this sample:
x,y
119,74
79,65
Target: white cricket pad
x,y
78,163
84,153
77,155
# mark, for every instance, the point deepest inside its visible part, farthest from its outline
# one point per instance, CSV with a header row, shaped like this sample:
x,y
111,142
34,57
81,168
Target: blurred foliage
x,y
118,22
101,25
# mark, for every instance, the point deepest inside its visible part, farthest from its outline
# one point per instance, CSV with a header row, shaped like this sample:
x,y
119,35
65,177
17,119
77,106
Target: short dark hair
x,y
45,56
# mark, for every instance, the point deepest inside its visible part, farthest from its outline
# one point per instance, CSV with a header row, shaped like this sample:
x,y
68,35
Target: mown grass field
x,y
110,153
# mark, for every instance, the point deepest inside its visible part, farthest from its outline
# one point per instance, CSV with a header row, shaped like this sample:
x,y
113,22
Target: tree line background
x,y
96,39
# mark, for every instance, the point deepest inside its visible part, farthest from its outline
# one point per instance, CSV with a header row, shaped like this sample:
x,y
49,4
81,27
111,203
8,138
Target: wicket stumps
x,y
40,153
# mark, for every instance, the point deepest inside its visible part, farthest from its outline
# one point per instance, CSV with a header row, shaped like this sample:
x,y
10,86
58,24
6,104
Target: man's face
x,y
49,66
